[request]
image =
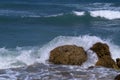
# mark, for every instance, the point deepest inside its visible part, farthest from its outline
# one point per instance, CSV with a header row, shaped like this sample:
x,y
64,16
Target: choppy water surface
x,y
32,64
29,30
57,72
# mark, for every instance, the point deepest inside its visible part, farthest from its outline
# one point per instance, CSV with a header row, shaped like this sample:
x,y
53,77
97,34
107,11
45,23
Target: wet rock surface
x,y
104,55
68,54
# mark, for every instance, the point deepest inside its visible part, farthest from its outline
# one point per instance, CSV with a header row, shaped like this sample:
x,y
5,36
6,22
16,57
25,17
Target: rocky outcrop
x,y
104,55
68,54
101,49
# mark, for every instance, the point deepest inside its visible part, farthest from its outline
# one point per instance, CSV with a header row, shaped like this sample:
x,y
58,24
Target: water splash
x,y
23,56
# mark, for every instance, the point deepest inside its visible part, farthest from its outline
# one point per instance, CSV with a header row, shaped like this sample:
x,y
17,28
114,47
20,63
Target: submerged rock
x,y
104,55
68,54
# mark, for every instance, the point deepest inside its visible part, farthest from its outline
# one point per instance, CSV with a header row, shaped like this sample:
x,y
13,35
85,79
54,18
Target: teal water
x,y
35,23
30,29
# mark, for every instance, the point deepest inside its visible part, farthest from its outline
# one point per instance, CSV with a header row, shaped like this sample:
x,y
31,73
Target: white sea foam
x,y
44,16
79,13
108,14
28,56
55,15
85,41
16,58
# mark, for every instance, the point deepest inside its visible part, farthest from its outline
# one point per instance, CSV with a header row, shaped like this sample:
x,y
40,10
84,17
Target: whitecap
x,y
79,13
23,56
55,15
108,14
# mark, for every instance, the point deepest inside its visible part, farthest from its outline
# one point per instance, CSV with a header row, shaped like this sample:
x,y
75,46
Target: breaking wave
x,y
108,14
74,17
23,56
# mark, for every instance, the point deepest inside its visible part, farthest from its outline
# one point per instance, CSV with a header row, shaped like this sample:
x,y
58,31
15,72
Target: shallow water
x,y
57,72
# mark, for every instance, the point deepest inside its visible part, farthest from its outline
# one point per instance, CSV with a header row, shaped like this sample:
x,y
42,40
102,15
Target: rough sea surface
x,y
30,29
57,72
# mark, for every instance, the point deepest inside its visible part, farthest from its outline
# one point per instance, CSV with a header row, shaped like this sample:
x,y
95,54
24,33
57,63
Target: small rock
x,y
104,55
118,62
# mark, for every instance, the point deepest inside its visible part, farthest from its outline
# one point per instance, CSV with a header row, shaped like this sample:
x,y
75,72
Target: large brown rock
x,y
68,54
104,55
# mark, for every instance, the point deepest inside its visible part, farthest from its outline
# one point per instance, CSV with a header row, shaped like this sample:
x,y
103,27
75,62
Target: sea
x,y
30,29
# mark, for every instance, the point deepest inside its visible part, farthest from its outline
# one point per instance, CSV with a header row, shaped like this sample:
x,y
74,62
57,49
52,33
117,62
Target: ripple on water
x,y
57,72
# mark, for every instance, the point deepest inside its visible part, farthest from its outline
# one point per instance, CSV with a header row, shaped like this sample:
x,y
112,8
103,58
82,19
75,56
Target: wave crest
x,y
23,56
108,14
79,13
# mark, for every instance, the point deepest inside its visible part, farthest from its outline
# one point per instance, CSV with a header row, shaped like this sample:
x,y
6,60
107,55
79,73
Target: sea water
x,y
29,30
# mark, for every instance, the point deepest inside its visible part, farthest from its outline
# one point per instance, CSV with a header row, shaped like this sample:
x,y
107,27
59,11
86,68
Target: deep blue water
x,y
36,22
30,29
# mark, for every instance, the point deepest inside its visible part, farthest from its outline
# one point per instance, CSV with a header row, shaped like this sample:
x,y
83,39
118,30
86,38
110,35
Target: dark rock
x,y
68,54
104,55
118,62
101,49
117,77
91,67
